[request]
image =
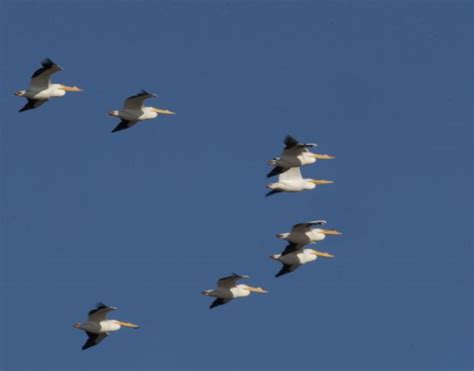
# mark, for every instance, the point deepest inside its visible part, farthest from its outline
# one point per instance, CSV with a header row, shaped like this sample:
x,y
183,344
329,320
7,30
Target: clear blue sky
x,y
147,218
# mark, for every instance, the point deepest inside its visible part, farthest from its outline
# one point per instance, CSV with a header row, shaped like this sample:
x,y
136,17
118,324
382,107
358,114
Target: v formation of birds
x,y
286,167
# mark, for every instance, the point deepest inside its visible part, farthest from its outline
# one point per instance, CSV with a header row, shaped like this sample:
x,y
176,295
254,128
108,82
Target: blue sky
x,y
147,218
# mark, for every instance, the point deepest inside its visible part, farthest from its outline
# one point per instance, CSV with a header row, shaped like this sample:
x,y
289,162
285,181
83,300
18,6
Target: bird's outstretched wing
x,y
99,313
41,78
230,281
291,248
291,142
32,104
277,170
94,339
218,302
272,192
124,124
286,269
300,227
135,102
292,174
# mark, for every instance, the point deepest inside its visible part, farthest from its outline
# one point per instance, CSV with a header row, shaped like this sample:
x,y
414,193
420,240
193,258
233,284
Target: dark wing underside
x,y
286,269
277,170
32,104
48,66
291,248
229,281
218,302
94,339
124,124
290,142
272,192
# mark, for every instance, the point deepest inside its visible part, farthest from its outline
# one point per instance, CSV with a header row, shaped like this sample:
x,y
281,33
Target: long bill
x,y
322,157
331,232
128,324
70,88
163,111
320,181
256,289
320,253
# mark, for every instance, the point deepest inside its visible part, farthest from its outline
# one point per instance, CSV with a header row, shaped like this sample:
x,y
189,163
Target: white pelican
x,y
295,154
292,181
134,111
41,89
227,289
295,256
98,327
303,233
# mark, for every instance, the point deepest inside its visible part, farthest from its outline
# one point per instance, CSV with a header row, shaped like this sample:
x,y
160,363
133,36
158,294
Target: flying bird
x,y
98,326
134,111
304,233
41,90
228,289
295,154
292,181
294,256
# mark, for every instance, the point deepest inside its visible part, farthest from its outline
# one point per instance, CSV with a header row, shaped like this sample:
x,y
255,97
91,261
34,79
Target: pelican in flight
x,y
295,154
98,327
304,233
134,111
294,256
41,89
292,181
228,289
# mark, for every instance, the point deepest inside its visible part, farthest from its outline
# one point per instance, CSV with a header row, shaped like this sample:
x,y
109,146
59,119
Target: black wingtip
x,y
47,62
277,170
272,192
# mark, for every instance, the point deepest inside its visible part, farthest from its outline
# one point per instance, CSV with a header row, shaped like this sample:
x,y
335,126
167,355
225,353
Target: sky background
x,y
145,219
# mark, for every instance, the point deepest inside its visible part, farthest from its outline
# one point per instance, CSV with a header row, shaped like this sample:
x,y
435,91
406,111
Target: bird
x,y
228,289
295,154
98,326
41,89
294,256
304,233
292,181
134,111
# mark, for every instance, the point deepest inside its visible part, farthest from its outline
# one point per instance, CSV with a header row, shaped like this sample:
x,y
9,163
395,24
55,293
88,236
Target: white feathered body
x,y
108,325
145,113
303,237
299,257
237,291
53,91
294,158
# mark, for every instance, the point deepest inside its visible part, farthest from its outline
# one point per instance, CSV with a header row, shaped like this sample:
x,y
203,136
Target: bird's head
x,y
20,93
114,113
282,236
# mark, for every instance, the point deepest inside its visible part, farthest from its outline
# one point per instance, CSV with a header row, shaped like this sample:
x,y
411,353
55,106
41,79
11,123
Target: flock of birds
x,y
286,167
